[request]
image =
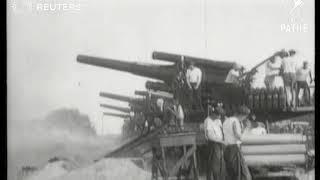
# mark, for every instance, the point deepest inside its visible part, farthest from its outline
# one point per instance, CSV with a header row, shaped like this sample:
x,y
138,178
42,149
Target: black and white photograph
x,y
160,89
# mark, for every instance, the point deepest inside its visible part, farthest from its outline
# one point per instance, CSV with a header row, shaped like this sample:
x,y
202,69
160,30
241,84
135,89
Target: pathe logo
x,y
296,10
295,17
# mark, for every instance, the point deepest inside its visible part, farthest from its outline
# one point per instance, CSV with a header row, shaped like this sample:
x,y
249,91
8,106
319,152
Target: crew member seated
x,y
166,115
193,78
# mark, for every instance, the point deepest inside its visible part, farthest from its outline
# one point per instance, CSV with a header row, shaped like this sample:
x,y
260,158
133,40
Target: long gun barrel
x,y
281,53
222,65
122,98
117,115
155,94
122,109
161,72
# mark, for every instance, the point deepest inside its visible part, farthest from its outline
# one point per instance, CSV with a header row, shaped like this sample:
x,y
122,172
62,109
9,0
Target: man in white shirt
x,y
179,114
214,135
193,78
233,75
289,76
302,77
272,72
232,128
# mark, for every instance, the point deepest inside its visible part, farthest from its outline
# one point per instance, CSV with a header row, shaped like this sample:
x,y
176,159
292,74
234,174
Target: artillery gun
x,y
267,105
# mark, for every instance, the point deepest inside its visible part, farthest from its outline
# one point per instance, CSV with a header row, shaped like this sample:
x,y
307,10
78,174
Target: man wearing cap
x,y
235,164
214,136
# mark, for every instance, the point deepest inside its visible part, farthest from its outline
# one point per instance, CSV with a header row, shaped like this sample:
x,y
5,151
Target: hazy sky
x,y
43,74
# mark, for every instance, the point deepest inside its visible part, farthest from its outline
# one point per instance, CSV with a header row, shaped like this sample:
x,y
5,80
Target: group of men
x,y
225,160
282,71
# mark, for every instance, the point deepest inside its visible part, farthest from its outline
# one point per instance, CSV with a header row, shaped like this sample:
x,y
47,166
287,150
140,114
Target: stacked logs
x,y
274,149
261,99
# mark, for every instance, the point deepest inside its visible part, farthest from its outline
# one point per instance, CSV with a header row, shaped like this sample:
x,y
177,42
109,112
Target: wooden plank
x,y
178,140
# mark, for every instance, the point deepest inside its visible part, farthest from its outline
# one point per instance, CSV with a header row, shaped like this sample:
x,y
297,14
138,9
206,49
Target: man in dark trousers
x,y
193,79
235,164
214,135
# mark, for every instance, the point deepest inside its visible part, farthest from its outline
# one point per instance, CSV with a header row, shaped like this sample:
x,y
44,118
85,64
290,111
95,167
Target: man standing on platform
x,y
272,73
233,74
214,136
193,78
301,77
235,164
289,77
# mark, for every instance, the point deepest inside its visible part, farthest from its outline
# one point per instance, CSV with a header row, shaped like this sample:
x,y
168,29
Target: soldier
x,y
272,72
235,164
193,78
301,77
166,114
179,114
289,77
214,136
234,74
233,99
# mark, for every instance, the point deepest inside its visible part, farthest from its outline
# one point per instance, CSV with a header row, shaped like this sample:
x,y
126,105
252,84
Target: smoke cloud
x,y
64,133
